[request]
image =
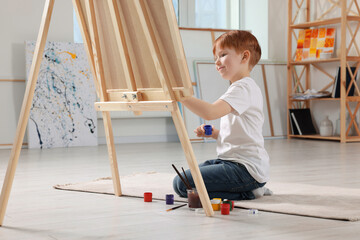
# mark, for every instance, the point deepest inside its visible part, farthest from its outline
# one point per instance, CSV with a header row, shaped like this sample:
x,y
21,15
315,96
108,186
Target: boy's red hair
x,y
240,41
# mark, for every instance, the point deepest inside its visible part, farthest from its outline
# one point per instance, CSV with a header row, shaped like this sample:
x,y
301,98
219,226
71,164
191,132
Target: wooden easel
x,y
138,63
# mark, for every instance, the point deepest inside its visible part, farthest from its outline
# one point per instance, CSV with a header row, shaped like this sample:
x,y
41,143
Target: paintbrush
x,y
168,210
185,176
182,179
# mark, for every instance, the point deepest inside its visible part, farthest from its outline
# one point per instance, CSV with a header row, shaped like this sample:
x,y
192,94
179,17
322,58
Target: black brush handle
x,y
182,179
186,176
176,207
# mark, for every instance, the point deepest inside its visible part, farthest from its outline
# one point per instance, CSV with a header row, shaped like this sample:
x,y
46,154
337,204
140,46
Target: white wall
x,y
20,21
277,30
11,95
254,17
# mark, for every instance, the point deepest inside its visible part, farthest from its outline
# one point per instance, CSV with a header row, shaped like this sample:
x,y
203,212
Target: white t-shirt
x,y
240,138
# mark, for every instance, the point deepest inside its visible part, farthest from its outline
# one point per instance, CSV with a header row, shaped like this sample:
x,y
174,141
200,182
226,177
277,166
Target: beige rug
x,y
296,199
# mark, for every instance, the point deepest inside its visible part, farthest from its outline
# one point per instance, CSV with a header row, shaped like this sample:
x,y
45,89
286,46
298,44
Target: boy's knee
x,y
179,187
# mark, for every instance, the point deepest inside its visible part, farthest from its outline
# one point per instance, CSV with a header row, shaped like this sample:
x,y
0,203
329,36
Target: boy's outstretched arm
x,y
207,111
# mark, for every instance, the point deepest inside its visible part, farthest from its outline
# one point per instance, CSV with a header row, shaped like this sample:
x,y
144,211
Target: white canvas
x,y
62,113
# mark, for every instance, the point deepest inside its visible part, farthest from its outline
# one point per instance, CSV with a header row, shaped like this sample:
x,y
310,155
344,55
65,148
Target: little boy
x,y
242,165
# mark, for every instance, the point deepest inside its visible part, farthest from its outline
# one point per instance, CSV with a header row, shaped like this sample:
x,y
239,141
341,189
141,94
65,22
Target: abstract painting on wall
x,y
317,43
62,113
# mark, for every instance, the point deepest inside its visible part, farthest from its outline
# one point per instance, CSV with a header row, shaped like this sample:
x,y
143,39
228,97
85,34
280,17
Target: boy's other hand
x,y
200,131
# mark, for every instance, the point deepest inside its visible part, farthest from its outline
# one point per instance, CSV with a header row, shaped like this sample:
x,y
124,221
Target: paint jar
x,y
193,199
215,203
147,197
208,130
225,208
169,199
229,202
253,211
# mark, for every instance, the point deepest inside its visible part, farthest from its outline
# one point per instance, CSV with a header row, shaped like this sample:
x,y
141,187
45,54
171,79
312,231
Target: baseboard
x,y
10,145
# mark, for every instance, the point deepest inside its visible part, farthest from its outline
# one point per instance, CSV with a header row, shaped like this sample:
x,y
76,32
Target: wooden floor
x,y
37,211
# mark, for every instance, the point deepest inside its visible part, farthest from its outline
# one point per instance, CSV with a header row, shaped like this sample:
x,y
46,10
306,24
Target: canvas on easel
x,y
138,63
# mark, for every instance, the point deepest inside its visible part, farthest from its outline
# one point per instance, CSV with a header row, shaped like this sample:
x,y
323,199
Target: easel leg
x,y
25,109
112,153
190,157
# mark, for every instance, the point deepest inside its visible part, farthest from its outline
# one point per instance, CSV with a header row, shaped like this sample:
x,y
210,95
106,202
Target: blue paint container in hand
x,y
208,130
169,199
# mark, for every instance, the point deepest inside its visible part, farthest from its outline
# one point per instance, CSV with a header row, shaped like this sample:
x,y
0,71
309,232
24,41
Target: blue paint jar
x,y
208,130
169,199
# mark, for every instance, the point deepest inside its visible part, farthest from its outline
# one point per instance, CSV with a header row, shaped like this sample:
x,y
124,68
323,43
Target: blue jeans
x,y
223,179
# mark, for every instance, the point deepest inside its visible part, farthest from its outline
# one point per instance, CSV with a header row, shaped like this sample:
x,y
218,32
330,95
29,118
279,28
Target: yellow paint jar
x,y
215,203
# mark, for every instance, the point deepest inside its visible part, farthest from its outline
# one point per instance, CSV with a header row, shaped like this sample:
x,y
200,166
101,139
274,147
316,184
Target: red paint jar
x,y
229,202
225,208
147,197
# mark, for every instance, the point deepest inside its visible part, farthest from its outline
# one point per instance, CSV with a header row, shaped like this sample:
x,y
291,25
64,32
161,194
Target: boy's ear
x,y
246,55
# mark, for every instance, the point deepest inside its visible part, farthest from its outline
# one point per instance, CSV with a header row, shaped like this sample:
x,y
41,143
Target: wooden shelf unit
x,y
348,99
348,59
316,136
329,21
349,13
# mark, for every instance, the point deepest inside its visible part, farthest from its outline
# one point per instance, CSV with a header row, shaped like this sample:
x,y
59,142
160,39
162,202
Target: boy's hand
x,y
200,131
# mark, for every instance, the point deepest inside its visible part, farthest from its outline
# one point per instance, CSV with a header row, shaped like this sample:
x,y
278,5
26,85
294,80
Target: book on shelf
x,y
336,88
301,122
294,125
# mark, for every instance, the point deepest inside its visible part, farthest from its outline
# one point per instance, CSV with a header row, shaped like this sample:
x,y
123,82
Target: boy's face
x,y
230,64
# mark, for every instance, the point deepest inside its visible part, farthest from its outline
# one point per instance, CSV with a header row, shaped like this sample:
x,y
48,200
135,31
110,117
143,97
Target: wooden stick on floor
x,y
25,109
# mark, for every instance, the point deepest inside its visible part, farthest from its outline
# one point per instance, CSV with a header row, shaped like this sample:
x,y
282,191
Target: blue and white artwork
x,y
62,112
